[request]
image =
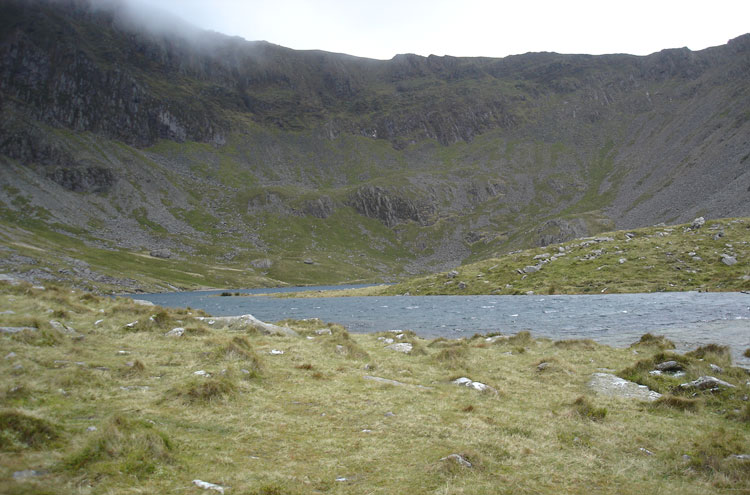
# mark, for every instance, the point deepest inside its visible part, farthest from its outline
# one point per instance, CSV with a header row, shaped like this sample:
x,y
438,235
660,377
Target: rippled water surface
x,y
688,318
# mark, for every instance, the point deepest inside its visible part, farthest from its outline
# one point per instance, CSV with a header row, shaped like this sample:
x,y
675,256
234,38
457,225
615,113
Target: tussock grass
x,y
717,354
134,447
313,418
711,453
584,408
679,403
654,341
582,344
454,356
204,390
19,430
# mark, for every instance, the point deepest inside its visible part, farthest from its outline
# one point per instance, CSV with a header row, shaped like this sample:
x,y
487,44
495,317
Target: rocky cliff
x,y
182,139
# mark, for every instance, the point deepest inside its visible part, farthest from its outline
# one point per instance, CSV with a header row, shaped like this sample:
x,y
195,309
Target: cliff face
x,y
187,134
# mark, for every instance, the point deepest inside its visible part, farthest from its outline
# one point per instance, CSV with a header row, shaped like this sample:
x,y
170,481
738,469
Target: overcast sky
x,y
383,28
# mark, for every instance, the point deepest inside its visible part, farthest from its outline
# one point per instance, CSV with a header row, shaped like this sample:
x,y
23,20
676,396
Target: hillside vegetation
x,y
254,157
96,398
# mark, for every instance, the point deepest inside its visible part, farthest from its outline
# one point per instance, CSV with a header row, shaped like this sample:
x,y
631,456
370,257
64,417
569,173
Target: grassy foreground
x,y
107,405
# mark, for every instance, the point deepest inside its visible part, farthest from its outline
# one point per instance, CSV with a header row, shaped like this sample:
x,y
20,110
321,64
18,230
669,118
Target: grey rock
x,y
612,385
262,263
706,382
622,260
462,285
458,459
143,302
739,457
715,368
645,451
245,322
451,274
531,269
468,382
698,223
161,253
669,366
323,331
91,428
404,347
543,366
175,332
308,261
728,260
10,355
17,329
208,486
27,473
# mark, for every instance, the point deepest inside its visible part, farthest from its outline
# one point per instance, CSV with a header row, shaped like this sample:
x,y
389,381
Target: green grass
x,y
655,259
297,422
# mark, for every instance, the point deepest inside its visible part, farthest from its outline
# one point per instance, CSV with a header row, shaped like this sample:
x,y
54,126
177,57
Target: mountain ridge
x,y
140,141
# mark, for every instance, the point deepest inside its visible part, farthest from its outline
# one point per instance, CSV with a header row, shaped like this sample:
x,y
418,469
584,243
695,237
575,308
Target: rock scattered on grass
x,y
175,332
669,366
543,366
705,383
276,352
609,384
17,329
728,260
388,381
458,459
208,486
202,373
468,382
404,347
245,322
697,223
27,473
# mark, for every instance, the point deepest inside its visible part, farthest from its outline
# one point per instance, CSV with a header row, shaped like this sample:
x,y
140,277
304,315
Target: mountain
x,y
132,139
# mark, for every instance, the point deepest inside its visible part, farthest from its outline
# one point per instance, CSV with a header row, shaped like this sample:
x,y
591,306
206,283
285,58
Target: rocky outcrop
x,y
321,207
389,208
85,179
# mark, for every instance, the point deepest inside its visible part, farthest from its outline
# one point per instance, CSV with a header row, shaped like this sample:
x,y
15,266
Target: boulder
x,y
531,268
262,263
308,261
161,253
468,382
706,383
609,384
669,366
728,260
245,322
698,223
404,347
208,486
458,459
451,274
175,332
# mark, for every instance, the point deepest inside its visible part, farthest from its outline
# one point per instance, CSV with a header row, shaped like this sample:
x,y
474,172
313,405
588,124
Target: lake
x,y
688,318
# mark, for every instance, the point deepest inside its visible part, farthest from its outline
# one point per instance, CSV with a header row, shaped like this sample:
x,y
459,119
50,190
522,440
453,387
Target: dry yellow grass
x,y
299,421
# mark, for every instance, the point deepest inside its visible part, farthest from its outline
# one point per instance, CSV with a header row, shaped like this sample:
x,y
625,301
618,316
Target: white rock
x,y
10,355
706,382
132,324
323,331
208,486
175,332
468,382
245,321
609,384
202,373
276,352
458,459
622,260
404,347
97,322
142,302
91,428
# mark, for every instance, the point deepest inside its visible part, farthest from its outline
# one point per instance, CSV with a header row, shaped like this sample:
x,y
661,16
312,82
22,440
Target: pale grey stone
x,y
609,384
17,329
209,486
244,322
393,382
175,332
404,347
669,366
143,302
706,382
698,223
458,459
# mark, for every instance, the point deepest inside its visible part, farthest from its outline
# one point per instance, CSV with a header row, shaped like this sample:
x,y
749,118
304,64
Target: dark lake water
x,y
688,318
